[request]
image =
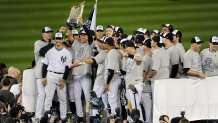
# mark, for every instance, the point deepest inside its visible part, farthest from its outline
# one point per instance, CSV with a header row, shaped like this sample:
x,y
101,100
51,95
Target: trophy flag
x,y
91,20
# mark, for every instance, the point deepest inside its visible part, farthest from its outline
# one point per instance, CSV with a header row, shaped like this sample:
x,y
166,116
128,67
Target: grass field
x,y
21,21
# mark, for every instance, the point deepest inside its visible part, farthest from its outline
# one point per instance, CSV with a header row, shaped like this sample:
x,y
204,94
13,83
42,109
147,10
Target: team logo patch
x,y
63,58
208,64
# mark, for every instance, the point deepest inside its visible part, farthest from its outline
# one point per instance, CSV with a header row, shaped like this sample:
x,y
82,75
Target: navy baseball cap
x,y
196,40
214,40
156,31
168,26
130,44
109,40
75,32
139,39
100,28
157,39
177,33
46,29
168,36
123,42
82,32
147,42
146,31
130,38
59,35
110,26
119,30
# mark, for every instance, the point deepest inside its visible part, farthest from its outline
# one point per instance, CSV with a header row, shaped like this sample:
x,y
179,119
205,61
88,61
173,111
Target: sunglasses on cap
x,y
58,38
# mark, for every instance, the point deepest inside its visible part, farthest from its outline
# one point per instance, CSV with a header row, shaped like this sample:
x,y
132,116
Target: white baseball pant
x,y
53,81
81,83
70,89
114,94
99,90
137,98
40,99
147,104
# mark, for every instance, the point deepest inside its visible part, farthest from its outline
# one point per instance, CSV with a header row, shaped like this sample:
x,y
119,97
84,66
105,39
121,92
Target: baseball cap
x,y
110,26
59,35
130,38
156,31
157,39
168,36
168,26
147,42
146,31
196,40
109,40
139,39
46,29
118,30
99,28
177,33
130,44
82,32
214,40
75,32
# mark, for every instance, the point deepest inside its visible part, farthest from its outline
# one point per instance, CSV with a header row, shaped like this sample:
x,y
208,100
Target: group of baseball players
x,y
66,65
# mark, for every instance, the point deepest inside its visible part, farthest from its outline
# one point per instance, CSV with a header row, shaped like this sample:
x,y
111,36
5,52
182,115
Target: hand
x,y
125,54
63,29
202,75
87,106
106,87
81,21
62,84
44,81
76,63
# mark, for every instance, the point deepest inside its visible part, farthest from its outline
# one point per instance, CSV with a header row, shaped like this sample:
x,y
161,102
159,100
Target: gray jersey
x,y
38,59
181,50
82,50
70,77
134,71
113,62
147,66
192,60
140,50
160,63
209,62
100,60
174,56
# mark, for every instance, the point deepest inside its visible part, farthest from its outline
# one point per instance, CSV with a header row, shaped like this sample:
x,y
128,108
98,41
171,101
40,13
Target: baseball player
x,y
209,57
99,32
146,92
99,80
139,40
192,60
109,30
177,35
155,32
173,52
160,62
39,44
82,74
112,74
56,67
134,76
167,28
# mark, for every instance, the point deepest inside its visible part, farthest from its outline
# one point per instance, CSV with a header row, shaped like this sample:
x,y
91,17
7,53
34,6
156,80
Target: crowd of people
x,y
105,75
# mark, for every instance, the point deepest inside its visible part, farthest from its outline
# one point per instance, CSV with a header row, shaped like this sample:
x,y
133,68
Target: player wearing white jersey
x,y
56,67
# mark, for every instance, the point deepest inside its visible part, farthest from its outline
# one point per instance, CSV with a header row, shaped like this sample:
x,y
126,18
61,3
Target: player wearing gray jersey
x,y
139,40
82,74
112,74
134,76
146,92
39,53
160,62
192,60
173,52
209,57
177,35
